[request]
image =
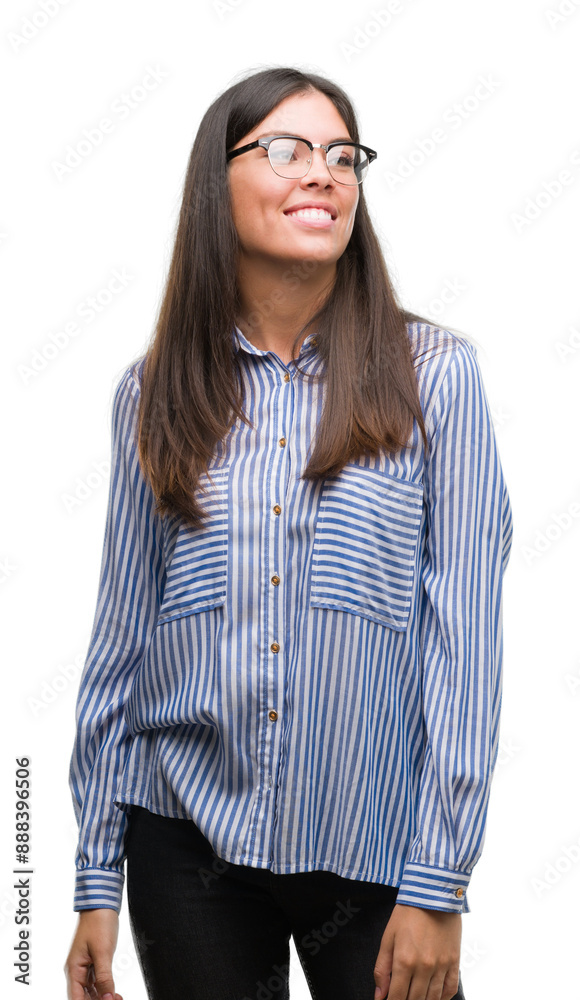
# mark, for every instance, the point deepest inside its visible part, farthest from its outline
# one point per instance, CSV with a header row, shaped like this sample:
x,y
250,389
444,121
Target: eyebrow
x,y
340,138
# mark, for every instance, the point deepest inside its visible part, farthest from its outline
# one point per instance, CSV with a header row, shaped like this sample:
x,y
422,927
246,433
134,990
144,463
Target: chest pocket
x,y
197,559
364,547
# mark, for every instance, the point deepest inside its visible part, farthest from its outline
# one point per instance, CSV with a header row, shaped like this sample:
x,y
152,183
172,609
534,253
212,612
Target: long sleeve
x,y
125,617
468,543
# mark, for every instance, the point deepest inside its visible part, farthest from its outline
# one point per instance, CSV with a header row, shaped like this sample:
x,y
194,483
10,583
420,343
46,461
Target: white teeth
x,y
312,213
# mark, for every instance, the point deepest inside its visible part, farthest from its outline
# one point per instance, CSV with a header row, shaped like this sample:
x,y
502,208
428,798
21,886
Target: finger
x,y
103,977
383,966
78,977
418,987
400,984
451,985
382,987
91,990
436,988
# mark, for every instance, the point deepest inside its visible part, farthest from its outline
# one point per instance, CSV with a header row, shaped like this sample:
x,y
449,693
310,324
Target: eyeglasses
x,y
291,157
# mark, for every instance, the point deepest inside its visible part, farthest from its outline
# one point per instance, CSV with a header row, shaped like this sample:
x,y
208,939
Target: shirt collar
x,y
242,343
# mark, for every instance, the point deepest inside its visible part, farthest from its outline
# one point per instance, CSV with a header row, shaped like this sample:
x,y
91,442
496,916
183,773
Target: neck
x,y
277,300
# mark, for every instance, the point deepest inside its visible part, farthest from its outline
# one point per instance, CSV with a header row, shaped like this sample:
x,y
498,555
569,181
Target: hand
x,y
89,961
419,955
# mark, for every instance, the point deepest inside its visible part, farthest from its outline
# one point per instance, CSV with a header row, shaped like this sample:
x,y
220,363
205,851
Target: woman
x,y
288,717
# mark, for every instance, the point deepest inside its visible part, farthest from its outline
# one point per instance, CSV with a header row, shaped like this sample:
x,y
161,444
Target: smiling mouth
x,y
318,218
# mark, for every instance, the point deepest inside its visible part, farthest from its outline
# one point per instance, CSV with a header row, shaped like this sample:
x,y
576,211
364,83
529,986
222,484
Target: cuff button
x,y
459,893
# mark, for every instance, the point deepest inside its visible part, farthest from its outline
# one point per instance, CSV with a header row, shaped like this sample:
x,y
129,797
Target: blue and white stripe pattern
x,y
314,677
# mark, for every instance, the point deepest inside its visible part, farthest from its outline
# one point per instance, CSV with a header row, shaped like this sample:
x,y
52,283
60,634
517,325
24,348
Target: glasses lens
x,y
347,163
289,157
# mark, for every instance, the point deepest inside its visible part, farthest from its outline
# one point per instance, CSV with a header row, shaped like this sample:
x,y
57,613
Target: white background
x,y
459,218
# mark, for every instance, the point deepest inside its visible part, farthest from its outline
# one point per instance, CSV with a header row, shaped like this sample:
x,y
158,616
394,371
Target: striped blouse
x,y
314,677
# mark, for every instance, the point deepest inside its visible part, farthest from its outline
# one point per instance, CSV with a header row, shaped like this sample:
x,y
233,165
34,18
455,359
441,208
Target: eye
x,y
283,152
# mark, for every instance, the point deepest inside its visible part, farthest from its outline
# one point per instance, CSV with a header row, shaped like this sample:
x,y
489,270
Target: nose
x,y
318,169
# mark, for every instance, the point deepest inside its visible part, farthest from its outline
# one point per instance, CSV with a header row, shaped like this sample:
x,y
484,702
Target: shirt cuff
x,y
98,887
434,888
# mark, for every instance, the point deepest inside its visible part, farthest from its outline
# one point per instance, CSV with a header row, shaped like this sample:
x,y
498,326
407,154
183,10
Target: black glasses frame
x,y
265,141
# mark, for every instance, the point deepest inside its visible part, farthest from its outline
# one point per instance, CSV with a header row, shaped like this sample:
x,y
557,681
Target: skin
x,y
90,959
419,953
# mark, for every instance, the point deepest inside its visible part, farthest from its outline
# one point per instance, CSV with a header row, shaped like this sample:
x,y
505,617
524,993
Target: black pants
x,y
205,929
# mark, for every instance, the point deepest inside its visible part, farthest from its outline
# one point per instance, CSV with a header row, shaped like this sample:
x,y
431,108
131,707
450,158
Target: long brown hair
x,y
191,389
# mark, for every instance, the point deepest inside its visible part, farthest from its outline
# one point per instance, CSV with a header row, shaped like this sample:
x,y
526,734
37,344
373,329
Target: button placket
x,y
273,581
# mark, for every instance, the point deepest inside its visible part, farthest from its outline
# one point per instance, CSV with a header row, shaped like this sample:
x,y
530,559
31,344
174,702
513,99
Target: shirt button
x,y
273,715
277,509
286,377
459,893
275,647
314,342
282,442
275,580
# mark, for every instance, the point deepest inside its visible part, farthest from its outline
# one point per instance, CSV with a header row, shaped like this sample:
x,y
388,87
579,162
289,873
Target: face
x,y
261,199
